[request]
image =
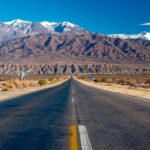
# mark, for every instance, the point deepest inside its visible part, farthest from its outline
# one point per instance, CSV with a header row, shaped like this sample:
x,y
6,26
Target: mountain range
x,y
142,35
20,28
25,42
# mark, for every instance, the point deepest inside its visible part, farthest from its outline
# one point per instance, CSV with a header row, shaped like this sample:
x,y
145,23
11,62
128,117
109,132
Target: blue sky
x,y
104,16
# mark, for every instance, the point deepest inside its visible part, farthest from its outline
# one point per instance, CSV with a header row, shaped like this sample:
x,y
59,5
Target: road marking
x,y
85,142
73,137
72,99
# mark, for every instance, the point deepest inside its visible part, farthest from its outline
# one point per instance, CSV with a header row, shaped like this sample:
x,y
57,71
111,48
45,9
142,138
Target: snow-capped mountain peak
x,y
68,24
142,35
22,25
46,23
20,28
146,35
49,25
59,27
17,22
54,27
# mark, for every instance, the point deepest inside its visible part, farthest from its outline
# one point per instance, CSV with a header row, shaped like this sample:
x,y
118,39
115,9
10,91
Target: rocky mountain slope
x,y
101,68
77,49
53,48
8,32
20,28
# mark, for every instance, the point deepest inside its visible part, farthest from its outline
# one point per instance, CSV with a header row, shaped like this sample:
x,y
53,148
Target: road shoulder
x,y
137,92
20,92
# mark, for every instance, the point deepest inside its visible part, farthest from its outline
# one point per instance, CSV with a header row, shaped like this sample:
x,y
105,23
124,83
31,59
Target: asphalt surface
x,y
40,121
36,121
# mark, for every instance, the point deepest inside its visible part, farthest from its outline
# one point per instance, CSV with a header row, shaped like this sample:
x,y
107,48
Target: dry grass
x,y
147,81
126,81
129,90
6,89
51,78
15,84
142,81
82,77
12,83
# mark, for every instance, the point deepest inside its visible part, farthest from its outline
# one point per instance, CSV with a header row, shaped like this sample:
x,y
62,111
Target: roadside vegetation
x,y
42,82
13,84
142,81
10,83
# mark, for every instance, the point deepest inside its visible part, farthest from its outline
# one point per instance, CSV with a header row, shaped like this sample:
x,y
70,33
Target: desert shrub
x,y
2,79
126,81
145,85
82,77
147,81
31,84
120,81
51,78
4,84
96,80
131,82
110,80
6,89
25,84
42,82
17,83
10,86
108,84
100,79
103,79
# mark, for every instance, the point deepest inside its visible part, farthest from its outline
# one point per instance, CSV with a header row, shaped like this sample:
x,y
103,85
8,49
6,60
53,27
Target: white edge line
x,y
85,142
73,100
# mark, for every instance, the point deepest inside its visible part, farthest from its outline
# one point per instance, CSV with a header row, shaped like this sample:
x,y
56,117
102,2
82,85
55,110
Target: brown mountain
x,y
74,49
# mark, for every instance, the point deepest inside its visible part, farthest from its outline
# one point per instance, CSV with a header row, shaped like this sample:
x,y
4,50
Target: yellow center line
x,y
73,138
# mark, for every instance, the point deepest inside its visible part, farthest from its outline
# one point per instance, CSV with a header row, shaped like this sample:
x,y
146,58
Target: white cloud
x,y
145,24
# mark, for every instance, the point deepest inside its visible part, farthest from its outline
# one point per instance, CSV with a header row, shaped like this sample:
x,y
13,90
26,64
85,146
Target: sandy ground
x,y
138,92
5,95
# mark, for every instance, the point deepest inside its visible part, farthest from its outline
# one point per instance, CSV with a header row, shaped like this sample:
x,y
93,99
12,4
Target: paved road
x,y
40,121
36,121
113,121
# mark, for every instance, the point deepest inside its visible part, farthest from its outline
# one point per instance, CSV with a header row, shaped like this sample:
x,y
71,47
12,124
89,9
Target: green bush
x,y
42,82
100,79
96,80
51,78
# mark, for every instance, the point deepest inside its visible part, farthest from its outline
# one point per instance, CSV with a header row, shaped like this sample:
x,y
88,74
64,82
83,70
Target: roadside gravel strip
x,y
4,95
138,92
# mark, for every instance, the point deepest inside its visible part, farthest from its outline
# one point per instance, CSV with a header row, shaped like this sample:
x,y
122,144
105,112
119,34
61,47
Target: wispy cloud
x,y
145,24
